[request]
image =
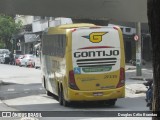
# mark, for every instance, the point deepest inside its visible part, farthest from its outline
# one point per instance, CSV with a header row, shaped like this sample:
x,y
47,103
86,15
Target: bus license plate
x,y
97,94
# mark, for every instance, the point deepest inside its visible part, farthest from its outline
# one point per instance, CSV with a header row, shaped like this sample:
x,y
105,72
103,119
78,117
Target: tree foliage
x,y
8,28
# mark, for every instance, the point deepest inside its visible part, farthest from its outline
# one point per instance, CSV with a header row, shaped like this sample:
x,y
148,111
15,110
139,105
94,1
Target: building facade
x,y
33,27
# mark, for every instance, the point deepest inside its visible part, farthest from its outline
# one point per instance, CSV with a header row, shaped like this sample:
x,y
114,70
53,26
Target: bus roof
x,y
67,26
62,28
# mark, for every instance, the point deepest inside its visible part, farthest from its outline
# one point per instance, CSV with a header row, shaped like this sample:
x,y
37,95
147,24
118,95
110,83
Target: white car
x,y
28,60
1,58
4,55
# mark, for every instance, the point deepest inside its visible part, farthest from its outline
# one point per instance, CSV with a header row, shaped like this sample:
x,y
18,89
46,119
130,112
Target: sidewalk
x,y
137,86
4,107
1,82
147,72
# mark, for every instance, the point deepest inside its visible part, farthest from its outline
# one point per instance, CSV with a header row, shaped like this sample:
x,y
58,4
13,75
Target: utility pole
x,y
138,50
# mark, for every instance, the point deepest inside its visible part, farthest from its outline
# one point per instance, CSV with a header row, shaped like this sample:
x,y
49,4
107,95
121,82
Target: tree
x,y
8,28
153,7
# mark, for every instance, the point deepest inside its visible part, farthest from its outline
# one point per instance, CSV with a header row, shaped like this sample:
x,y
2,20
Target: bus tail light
x,y
72,83
116,27
121,78
73,30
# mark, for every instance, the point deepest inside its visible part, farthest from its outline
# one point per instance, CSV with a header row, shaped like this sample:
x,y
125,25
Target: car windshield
x,y
17,56
5,51
21,56
29,56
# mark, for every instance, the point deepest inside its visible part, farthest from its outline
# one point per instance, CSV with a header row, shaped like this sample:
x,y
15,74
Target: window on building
x,y
128,29
36,17
122,29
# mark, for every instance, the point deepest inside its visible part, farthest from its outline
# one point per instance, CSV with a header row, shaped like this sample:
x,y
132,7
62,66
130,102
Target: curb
x,y
136,91
1,82
137,78
130,68
5,107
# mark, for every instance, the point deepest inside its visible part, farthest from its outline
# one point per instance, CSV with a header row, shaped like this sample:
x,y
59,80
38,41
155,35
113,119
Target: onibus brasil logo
x,y
95,37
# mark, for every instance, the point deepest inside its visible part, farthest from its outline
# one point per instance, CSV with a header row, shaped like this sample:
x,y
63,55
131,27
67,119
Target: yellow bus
x,y
83,62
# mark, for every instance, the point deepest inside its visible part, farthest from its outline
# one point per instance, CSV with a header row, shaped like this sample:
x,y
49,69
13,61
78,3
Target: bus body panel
x,y
95,55
75,95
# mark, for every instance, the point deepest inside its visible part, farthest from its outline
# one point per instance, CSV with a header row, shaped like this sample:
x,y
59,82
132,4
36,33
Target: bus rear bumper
x,y
75,95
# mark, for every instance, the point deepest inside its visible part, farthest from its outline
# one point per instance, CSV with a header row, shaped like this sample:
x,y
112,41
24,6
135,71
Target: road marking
x,y
41,88
26,89
29,118
11,90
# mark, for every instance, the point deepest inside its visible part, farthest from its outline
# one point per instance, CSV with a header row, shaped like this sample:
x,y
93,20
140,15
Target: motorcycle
x,y
149,92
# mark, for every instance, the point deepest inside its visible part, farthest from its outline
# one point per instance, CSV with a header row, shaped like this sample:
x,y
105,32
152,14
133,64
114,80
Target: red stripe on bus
x,y
96,47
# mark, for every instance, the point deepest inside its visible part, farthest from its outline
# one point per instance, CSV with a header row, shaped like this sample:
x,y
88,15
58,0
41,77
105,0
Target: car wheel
x,y
20,65
33,65
26,65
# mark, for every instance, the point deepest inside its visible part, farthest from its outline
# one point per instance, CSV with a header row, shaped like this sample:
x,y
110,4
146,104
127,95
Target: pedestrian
x,y
11,58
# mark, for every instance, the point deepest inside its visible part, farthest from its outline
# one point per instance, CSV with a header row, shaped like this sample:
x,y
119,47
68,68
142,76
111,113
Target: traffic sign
x,y
136,37
18,44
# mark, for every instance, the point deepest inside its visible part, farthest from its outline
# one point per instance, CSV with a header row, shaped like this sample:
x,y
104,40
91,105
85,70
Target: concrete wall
x,y
25,19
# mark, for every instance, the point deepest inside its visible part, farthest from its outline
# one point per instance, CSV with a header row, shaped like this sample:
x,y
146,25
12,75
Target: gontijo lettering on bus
x,y
98,53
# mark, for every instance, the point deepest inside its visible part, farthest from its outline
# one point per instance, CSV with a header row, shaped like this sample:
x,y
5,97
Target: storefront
x,y
30,41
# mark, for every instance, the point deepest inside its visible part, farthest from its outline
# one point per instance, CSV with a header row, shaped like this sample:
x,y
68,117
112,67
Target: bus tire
x,y
60,97
62,100
112,102
65,103
49,93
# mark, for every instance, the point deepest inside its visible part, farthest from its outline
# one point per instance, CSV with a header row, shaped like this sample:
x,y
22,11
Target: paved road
x,y
22,91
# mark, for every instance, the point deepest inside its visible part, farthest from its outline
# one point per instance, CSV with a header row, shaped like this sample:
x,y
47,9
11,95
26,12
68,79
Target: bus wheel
x,y
112,102
65,103
49,93
62,100
60,97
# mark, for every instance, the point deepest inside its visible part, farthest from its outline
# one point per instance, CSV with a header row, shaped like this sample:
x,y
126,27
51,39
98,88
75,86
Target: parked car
x,y
5,59
4,56
18,59
27,60
1,57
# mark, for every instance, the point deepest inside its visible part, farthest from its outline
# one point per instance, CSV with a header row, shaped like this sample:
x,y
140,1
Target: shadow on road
x,y
124,104
12,90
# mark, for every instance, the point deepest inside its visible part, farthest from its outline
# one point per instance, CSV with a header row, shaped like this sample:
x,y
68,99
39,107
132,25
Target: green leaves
x,y
8,28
